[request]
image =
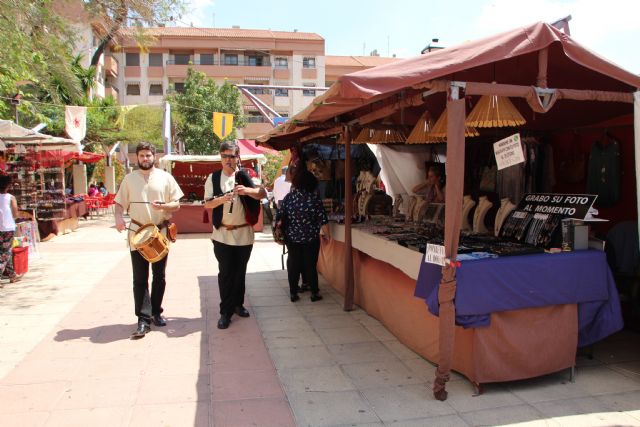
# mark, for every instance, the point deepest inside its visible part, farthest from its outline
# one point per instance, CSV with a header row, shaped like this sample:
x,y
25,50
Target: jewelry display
x,y
467,204
481,212
505,209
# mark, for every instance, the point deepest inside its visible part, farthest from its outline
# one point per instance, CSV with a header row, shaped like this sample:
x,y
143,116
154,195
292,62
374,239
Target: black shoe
x,y
294,297
142,330
316,297
242,312
303,288
224,321
158,320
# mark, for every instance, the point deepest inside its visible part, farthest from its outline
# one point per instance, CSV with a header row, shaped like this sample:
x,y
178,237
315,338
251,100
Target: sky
x,y
609,28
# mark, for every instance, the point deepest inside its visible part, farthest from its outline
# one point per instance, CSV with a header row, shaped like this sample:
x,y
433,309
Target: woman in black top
x,y
305,221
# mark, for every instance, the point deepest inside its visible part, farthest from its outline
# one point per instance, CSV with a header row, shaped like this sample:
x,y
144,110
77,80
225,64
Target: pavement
x,y
66,358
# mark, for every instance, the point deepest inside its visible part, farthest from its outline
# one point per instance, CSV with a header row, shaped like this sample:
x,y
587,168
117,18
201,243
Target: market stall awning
x,y
12,134
248,147
515,57
165,160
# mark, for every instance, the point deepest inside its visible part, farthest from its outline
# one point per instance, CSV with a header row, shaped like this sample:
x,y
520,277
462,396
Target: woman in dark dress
x,y
305,221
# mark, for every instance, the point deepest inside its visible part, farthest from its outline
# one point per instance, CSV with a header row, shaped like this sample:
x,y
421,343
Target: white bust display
x,y
467,204
481,211
505,209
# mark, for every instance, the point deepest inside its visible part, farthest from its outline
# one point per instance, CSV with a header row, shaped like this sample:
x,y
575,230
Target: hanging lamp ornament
x,y
364,136
422,130
439,132
388,136
494,111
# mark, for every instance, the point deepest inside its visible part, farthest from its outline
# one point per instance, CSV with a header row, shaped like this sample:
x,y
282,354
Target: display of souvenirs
x,y
25,184
51,202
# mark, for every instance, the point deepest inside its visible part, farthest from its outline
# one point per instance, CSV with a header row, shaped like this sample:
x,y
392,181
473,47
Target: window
x,y
281,63
309,92
258,90
230,59
182,58
255,61
308,62
133,89
256,118
155,60
179,87
155,89
206,59
282,92
133,59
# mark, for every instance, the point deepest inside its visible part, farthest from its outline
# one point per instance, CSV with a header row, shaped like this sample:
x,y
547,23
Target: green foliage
x,y
35,57
143,123
195,107
98,172
272,167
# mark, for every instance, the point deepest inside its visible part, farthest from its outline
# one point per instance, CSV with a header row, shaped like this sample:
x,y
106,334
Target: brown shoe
x,y
15,279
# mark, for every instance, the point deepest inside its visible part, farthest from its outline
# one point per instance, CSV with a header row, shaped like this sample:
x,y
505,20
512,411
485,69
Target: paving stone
x,y
301,357
330,409
315,379
345,335
380,374
406,402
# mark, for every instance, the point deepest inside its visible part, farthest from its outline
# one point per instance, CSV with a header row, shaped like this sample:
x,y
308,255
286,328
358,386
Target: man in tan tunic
x,y
149,195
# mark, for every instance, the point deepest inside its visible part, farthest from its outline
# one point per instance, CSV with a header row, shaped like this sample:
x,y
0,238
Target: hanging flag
x,y
222,124
166,127
75,122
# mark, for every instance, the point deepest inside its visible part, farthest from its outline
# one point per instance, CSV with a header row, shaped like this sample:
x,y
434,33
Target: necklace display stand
x,y
503,212
467,204
481,212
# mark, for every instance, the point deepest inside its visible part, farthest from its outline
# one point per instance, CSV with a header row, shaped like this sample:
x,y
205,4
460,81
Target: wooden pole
x,y
348,211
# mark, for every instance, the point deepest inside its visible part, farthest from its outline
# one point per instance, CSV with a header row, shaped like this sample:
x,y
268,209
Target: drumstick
x,y
148,203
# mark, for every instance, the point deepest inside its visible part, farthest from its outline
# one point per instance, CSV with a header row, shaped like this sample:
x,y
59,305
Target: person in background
x,y
102,189
93,191
150,195
305,222
281,186
234,199
8,213
433,188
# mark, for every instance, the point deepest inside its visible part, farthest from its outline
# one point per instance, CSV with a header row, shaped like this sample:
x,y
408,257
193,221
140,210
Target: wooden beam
x,y
349,288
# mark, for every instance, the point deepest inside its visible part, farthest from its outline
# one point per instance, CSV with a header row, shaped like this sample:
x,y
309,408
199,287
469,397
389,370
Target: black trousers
x,y
303,260
232,269
148,305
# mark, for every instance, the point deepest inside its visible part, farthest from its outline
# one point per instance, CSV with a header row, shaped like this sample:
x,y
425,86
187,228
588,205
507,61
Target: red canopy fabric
x,y
248,146
508,58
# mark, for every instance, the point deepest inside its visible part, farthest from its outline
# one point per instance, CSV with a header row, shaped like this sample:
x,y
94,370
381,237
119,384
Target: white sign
x,y
435,254
508,151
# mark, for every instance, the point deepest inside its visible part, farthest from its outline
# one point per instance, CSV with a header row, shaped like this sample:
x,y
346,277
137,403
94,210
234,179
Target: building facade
x,y
236,55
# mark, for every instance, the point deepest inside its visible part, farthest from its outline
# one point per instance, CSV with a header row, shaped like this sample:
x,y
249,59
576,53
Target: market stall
x,y
191,172
560,89
36,162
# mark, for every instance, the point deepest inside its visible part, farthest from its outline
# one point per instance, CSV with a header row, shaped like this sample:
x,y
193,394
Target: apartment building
x,y
237,55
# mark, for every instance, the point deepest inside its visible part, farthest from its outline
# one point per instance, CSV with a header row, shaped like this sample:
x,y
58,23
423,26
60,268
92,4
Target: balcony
x,y
110,90
132,71
111,65
281,73
309,73
157,72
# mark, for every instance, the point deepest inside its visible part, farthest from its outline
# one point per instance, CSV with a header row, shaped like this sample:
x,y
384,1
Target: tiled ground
x,y
66,358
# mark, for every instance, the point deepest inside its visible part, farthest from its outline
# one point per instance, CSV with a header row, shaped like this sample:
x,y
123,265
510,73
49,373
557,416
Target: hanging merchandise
x,y
421,131
493,111
603,176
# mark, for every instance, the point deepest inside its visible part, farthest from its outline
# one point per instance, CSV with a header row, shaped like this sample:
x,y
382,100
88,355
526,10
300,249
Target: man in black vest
x,y
236,206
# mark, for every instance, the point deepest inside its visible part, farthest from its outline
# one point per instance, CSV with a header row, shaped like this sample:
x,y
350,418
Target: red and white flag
x,y
75,122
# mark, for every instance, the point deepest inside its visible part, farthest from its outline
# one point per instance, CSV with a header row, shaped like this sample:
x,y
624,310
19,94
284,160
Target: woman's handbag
x,y
277,228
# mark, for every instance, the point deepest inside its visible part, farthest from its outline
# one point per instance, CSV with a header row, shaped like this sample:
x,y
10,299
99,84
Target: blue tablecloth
x,y
510,283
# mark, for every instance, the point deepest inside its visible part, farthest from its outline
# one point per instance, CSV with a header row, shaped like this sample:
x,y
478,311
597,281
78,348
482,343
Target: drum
x,y
150,243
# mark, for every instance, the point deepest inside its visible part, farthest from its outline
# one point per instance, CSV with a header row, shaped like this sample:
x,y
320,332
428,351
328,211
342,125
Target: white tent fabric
x,y
403,166
12,134
166,160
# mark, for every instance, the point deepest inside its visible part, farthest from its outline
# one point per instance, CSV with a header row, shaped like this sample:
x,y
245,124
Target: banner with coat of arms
x,y
222,124
75,122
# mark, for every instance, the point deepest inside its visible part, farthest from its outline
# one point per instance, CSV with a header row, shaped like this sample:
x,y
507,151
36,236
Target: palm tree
x,y
86,76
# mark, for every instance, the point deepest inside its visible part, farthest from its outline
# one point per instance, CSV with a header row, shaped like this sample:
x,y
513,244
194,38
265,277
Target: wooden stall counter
x,y
516,345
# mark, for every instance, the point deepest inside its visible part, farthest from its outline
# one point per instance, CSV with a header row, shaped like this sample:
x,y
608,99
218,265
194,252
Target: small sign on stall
x,y
434,254
508,151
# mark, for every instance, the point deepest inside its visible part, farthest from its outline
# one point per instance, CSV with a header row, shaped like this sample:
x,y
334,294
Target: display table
x,y
189,219
516,344
511,283
69,223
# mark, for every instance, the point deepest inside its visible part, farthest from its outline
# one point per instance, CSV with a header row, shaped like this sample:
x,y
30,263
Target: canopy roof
x,y
11,134
508,58
204,159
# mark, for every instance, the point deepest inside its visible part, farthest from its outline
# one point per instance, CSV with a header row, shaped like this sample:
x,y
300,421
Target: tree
x,y
116,13
35,55
195,107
